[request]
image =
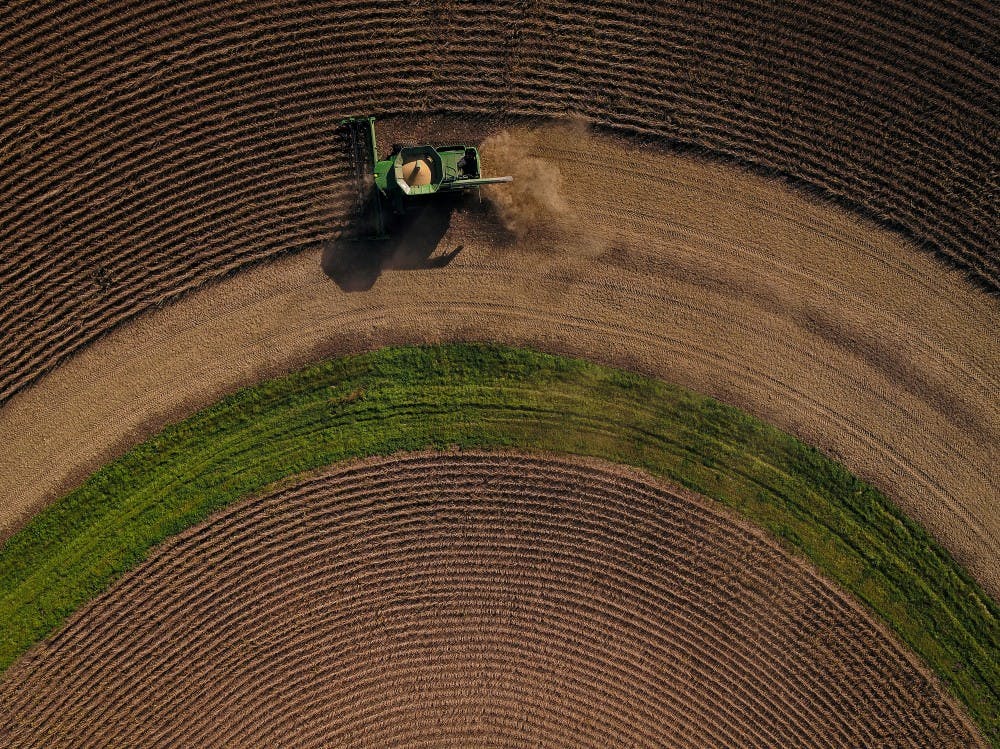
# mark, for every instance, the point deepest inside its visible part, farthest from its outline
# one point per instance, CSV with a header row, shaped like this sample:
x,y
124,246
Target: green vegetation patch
x,y
480,396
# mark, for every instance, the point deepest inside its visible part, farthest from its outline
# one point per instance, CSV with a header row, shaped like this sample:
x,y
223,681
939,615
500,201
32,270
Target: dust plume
x,y
534,204
534,200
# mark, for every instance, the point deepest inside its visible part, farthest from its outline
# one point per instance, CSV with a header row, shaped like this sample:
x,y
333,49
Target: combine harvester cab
x,y
411,173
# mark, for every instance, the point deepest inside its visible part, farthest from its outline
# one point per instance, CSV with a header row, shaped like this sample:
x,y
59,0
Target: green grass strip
x,y
480,396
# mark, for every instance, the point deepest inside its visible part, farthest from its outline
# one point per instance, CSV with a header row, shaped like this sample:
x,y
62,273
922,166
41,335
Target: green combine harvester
x,y
411,173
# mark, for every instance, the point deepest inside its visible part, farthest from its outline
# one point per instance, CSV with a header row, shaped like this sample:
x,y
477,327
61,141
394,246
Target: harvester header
x,y
411,172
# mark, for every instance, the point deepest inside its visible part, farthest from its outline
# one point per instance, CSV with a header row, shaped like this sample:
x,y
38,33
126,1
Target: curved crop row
x,y
487,397
558,601
147,150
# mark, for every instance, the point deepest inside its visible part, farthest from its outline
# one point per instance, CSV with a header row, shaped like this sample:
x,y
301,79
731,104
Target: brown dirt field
x,y
149,148
459,599
826,327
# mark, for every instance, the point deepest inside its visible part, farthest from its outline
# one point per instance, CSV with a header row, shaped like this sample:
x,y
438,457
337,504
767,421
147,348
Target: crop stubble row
x,y
149,150
541,599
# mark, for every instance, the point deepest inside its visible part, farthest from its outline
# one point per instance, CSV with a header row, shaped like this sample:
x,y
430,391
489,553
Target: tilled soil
x,y
697,274
459,599
149,148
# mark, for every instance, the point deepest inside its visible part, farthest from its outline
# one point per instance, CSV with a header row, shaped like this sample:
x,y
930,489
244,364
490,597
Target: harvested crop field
x,y
148,149
805,317
750,249
458,598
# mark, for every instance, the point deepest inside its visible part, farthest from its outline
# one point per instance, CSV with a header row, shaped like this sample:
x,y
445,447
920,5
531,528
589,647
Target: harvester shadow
x,y
354,262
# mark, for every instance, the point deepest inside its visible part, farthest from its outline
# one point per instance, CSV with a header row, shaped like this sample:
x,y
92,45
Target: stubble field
x,y
790,208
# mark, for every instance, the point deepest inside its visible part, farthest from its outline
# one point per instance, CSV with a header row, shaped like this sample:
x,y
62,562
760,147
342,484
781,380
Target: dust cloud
x,y
534,205
533,201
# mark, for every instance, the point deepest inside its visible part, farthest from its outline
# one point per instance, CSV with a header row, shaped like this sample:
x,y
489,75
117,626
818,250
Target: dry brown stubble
x,y
811,320
459,599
